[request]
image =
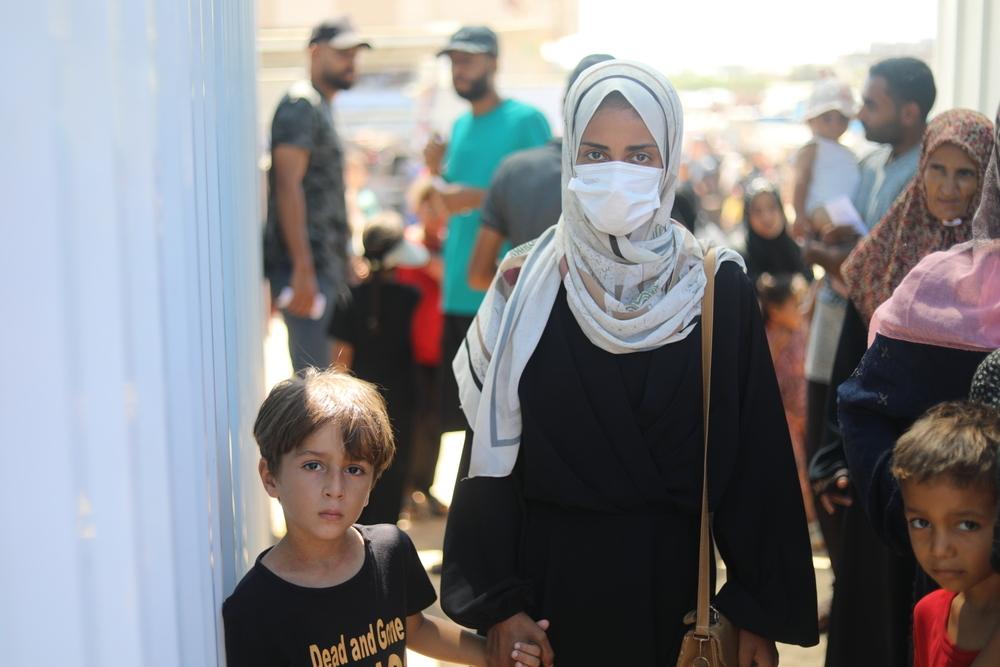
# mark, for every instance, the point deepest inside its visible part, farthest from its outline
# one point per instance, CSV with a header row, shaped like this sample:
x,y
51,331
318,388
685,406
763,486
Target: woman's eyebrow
x,y
593,145
640,147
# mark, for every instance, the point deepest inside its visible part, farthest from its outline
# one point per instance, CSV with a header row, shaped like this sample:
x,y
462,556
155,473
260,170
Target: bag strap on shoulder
x,y
703,619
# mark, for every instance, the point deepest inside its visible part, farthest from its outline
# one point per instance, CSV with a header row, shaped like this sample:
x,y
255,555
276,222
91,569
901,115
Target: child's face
x,y
951,530
830,125
766,216
322,490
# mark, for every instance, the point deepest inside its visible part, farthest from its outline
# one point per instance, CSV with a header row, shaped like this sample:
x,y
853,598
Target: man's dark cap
x,y
339,34
472,39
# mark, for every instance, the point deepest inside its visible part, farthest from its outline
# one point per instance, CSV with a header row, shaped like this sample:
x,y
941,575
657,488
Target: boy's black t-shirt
x,y
361,622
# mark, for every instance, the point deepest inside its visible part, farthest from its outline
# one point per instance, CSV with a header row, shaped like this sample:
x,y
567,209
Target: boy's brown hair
x,y
300,405
957,439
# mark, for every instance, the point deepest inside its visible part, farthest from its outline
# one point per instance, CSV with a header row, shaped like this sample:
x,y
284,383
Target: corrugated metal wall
x,y
130,341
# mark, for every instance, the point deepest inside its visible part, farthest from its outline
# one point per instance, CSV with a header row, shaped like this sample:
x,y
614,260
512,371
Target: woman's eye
x,y
917,524
594,156
641,158
968,526
312,466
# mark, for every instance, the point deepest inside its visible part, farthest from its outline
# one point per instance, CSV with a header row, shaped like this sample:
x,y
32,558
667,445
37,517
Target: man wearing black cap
x,y
524,198
480,139
306,239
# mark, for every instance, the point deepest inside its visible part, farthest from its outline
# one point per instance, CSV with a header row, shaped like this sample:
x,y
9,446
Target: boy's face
x,y
951,530
322,490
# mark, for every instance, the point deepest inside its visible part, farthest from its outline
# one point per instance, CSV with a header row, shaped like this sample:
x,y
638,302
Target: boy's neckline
x,y
322,586
957,603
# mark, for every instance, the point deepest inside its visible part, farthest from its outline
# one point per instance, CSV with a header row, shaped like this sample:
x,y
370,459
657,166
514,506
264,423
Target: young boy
x,y
332,593
946,465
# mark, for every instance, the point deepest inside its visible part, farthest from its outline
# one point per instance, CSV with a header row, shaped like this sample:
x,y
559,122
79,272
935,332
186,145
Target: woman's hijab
x,y
909,232
777,256
628,293
952,298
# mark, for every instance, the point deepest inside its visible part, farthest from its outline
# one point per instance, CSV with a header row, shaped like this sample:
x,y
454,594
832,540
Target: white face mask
x,y
617,197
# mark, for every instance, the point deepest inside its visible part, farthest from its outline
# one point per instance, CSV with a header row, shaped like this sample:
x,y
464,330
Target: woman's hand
x,y
519,628
756,651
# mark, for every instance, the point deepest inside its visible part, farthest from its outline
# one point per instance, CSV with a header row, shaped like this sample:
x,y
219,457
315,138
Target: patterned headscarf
x,y
986,381
952,298
986,389
909,232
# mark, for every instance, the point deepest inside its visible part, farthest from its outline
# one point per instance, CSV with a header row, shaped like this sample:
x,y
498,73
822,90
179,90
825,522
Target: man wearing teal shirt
x,y
480,139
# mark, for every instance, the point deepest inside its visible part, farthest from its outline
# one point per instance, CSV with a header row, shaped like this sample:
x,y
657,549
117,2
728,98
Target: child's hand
x,y
518,629
526,655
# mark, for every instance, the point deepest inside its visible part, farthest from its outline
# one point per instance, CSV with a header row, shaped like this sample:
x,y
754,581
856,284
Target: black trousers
x,y
426,427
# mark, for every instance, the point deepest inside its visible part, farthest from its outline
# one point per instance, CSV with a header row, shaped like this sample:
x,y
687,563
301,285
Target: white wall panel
x,y
130,349
967,55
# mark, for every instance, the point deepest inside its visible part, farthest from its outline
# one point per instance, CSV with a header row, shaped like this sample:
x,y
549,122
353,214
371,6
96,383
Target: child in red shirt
x,y
946,465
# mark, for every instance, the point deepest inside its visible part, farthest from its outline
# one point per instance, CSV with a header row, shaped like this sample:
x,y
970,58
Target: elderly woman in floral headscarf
x,y
926,310
581,380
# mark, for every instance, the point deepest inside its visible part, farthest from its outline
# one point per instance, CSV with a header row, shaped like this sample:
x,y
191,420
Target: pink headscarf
x,y
952,298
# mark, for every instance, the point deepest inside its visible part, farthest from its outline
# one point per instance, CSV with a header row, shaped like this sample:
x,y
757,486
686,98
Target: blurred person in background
x,y
524,198
781,297
492,129
825,169
428,323
371,335
307,237
769,246
362,202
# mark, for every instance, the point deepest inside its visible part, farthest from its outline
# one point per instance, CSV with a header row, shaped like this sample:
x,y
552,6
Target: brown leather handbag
x,y
714,641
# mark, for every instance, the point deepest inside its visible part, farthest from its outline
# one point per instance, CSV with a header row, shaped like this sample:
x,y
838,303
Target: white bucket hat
x,y
830,95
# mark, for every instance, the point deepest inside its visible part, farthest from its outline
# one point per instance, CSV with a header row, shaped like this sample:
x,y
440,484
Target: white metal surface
x,y
130,349
967,55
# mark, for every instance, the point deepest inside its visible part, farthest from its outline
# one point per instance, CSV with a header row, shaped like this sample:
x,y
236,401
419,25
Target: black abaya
x,y
597,527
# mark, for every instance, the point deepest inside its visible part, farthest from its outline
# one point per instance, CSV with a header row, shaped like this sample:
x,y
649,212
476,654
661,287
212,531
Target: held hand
x,y
304,290
831,499
358,272
518,629
756,651
434,154
529,655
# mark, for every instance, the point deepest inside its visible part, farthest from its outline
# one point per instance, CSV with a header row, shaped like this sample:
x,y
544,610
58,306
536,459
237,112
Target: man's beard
x,y
477,89
889,133
337,81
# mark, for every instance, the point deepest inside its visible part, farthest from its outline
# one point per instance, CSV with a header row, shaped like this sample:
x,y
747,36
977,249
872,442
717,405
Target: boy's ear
x,y
267,478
